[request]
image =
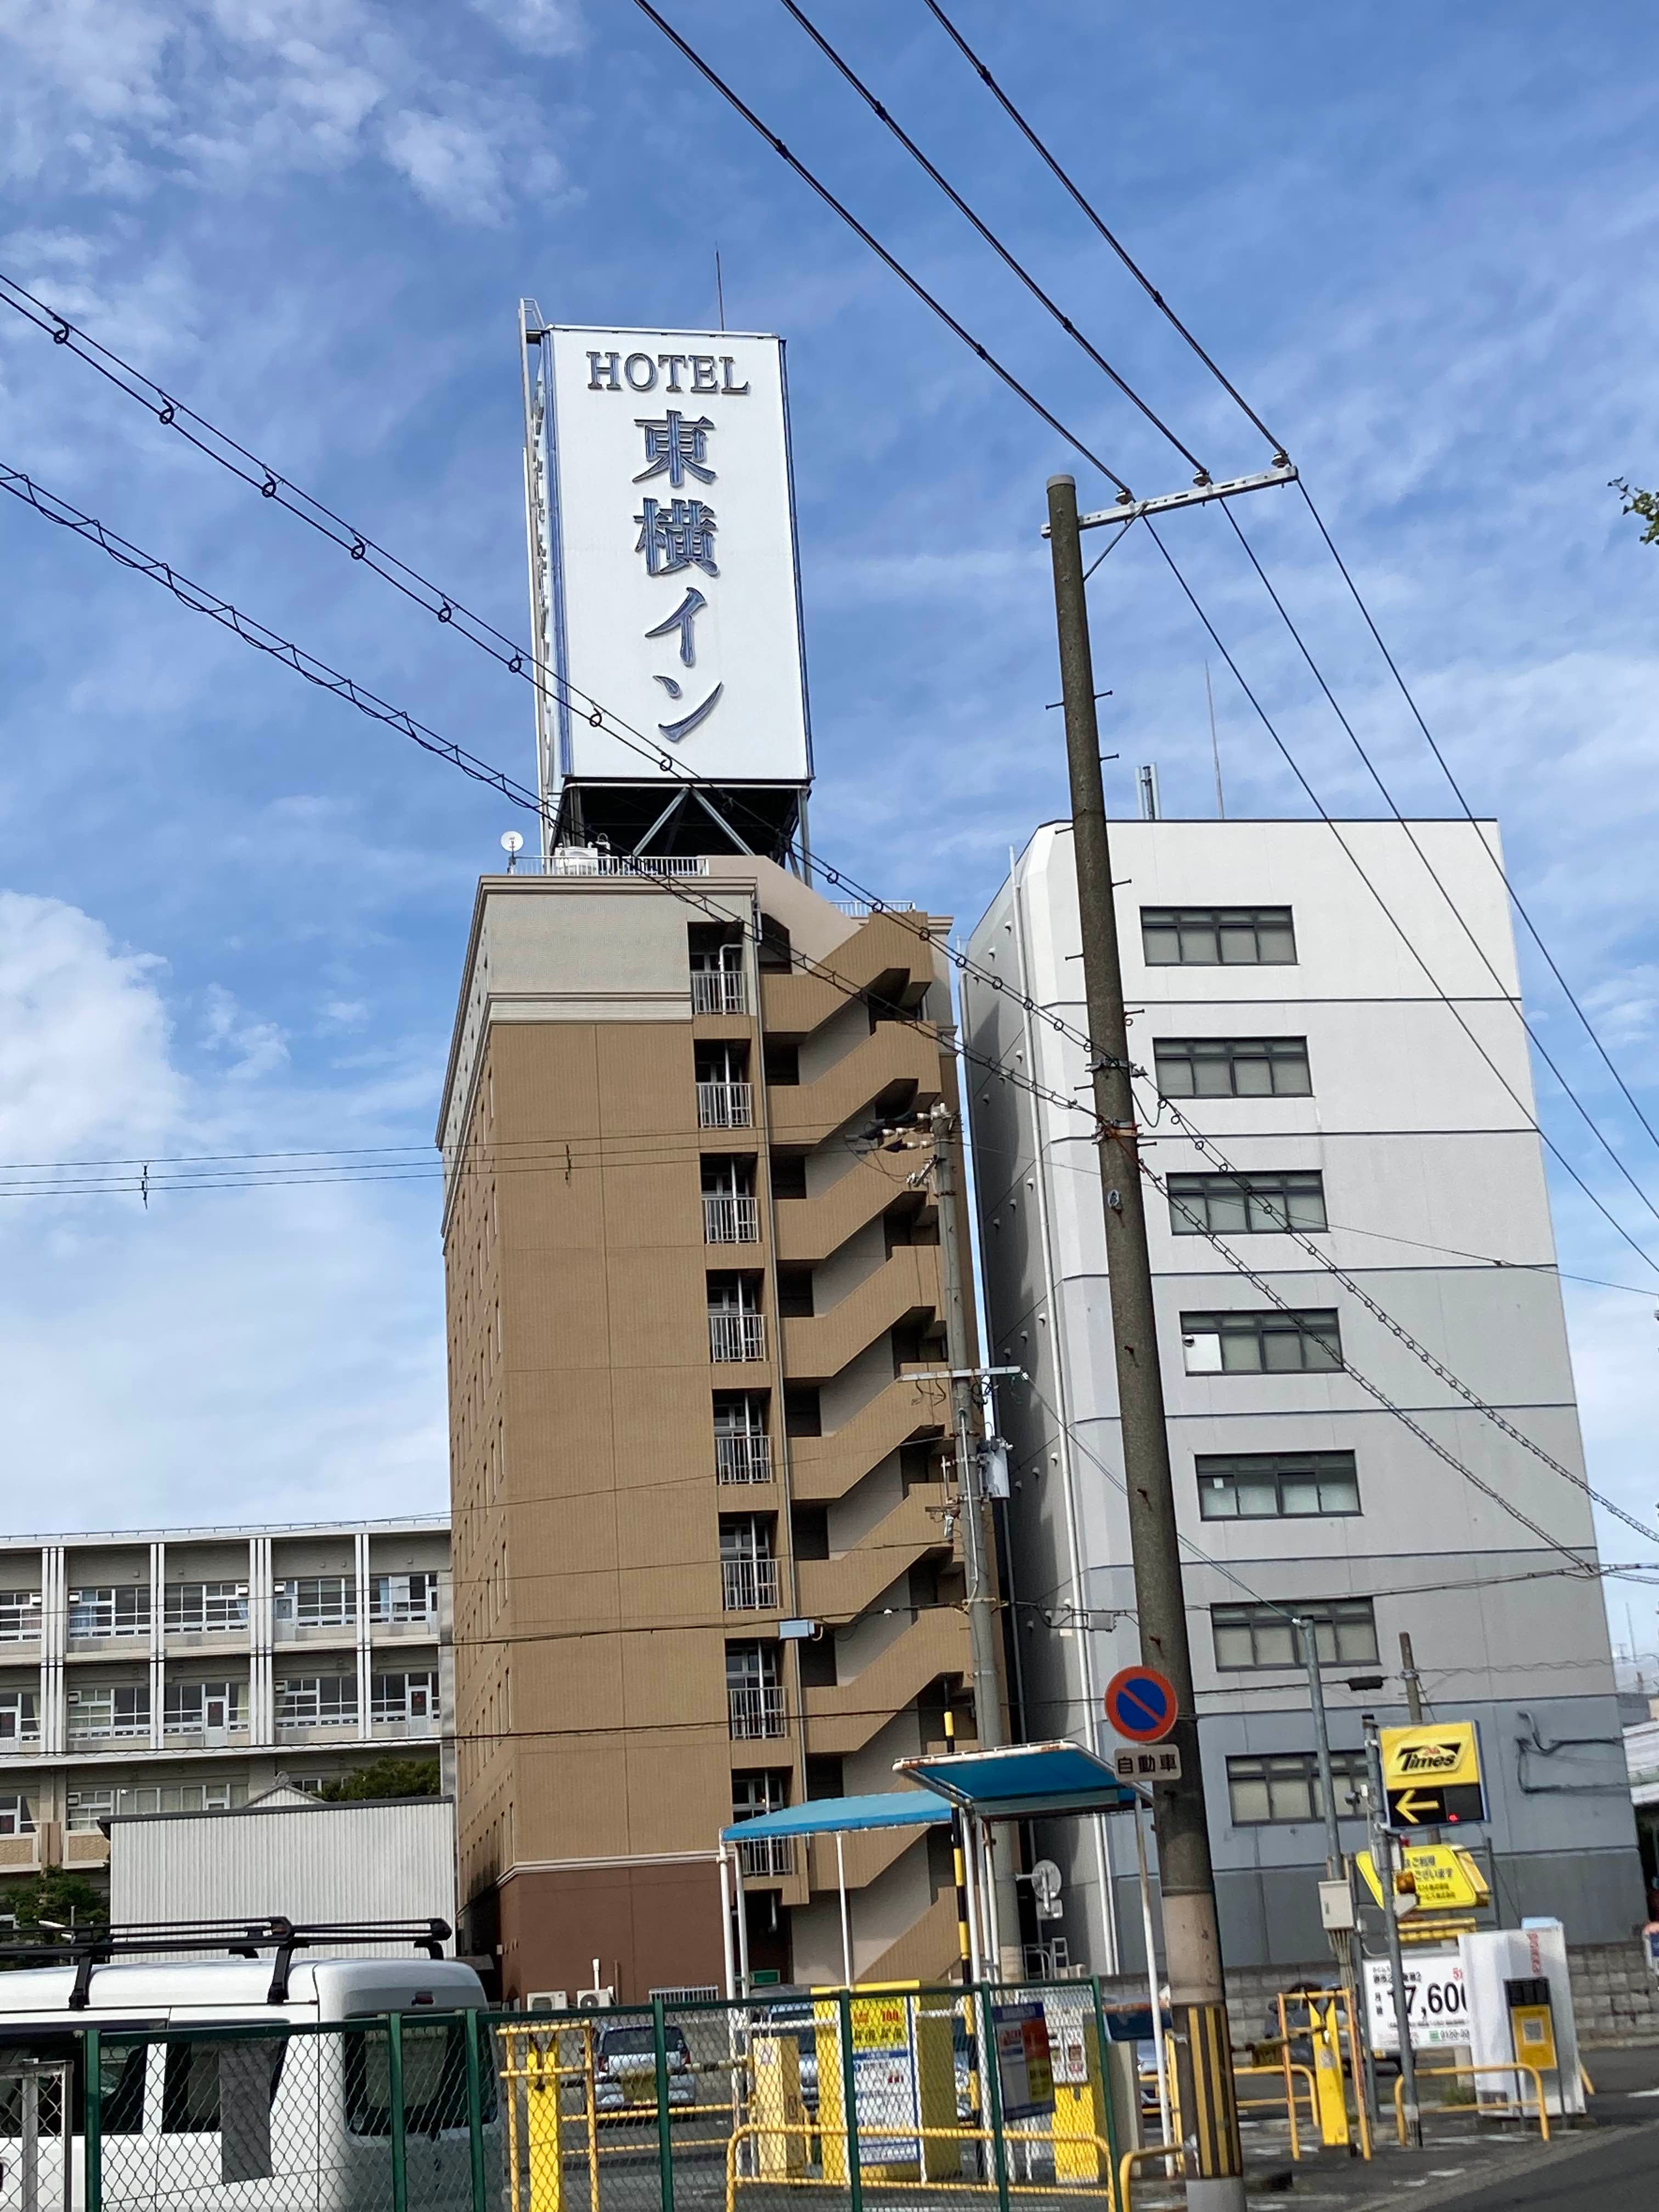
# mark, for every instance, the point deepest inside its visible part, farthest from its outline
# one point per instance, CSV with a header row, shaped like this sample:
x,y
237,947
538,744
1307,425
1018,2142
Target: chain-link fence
x,y
867,2099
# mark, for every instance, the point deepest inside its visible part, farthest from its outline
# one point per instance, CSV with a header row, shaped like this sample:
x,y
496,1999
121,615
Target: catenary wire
x,y
1010,260
1116,244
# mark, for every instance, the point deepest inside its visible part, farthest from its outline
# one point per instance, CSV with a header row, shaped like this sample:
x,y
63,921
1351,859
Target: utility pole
x,y
1383,1858
984,1629
1191,1943
1412,1680
1336,1866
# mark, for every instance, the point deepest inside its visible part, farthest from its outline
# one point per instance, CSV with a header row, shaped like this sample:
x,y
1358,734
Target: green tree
x,y
385,1778
43,1903
1637,501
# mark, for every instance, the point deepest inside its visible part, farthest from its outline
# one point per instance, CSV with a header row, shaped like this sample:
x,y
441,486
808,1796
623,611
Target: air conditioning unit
x,y
547,2001
595,2000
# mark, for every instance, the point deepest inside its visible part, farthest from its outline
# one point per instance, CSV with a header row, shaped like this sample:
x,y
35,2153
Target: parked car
x,y
625,2068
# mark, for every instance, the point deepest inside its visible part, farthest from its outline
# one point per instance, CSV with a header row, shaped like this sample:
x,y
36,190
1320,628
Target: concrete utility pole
x,y
984,1630
1383,1858
1347,1946
1413,1681
1191,1943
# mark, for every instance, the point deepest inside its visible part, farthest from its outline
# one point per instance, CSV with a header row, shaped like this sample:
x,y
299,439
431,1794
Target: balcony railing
x,y
719,991
736,1336
725,1105
749,1585
103,1731
744,1458
19,1739
756,1711
768,1855
731,1221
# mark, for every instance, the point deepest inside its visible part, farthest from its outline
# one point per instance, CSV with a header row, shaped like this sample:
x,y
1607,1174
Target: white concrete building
x,y
1273,1000
183,1670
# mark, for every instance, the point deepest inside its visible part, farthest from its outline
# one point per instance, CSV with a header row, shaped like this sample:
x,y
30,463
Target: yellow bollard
x,y
1079,2118
778,2104
1328,2078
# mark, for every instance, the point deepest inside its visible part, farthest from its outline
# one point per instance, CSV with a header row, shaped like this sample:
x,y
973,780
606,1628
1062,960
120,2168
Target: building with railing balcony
x,y
189,1669
756,1710
742,1457
725,1105
719,991
730,1218
749,1585
736,1335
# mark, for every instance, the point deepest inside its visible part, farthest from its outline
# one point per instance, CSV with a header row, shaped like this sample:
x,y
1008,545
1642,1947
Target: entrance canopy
x,y
1024,1782
826,1816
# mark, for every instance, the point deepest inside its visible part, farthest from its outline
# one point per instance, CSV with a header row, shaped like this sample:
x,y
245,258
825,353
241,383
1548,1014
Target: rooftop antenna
x,y
1146,780
512,845
1215,749
719,289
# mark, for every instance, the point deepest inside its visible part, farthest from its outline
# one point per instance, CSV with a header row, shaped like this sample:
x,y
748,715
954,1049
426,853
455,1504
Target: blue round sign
x,y
1140,1704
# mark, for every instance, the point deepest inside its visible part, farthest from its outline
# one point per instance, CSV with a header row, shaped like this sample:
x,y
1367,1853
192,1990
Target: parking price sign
x,y
1437,2003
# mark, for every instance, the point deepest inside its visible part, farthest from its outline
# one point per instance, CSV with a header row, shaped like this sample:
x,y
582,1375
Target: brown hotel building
x,y
696,1327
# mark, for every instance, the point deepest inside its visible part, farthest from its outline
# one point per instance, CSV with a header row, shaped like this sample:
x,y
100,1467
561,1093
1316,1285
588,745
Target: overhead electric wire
x,y
1009,260
1140,276
888,260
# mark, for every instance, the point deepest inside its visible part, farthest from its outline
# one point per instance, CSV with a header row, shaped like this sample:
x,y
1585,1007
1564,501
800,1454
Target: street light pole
x,y
1383,1859
1191,1943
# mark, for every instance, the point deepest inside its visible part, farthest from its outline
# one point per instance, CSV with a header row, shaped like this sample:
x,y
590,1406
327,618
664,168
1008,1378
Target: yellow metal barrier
x,y
754,2131
1507,2104
533,2074
1131,2158
1284,2073
1330,2018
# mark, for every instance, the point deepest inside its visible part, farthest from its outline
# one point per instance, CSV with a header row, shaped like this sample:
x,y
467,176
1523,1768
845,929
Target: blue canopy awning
x,y
826,1816
1025,1781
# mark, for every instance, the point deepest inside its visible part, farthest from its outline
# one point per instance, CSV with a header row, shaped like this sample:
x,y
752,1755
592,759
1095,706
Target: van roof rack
x,y
97,1945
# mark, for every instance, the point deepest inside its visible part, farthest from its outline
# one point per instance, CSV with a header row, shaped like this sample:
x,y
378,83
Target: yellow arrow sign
x,y
1416,1805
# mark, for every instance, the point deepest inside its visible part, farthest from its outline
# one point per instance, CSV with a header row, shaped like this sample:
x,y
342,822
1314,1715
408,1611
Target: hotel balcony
x,y
744,1457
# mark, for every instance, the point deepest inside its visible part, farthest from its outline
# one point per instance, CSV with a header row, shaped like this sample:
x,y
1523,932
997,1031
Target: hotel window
x,y
121,1709
405,1696
1345,1632
1246,1204
1284,1786
1217,937
20,1616
317,1700
189,1706
317,1601
205,1608
1232,1067
1276,1486
1270,1342
404,1597
122,1610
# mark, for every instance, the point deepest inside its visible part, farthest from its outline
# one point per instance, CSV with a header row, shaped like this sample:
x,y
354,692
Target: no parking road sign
x,y
1140,1704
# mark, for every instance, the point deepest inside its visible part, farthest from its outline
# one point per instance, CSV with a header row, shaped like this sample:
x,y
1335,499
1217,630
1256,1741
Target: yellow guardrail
x,y
1131,2158
1284,2073
754,2129
1507,2104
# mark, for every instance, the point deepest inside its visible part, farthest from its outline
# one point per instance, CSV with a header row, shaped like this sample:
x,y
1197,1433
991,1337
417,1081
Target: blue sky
x,y
232,913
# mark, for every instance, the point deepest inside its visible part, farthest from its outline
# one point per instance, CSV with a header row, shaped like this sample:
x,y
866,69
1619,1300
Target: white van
x,y
291,2111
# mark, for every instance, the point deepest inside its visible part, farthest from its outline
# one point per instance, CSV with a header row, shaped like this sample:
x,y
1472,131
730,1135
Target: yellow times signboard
x,y
1446,1879
1432,1775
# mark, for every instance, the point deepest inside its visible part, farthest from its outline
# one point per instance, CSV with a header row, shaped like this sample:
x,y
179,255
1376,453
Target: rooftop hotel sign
x,y
663,557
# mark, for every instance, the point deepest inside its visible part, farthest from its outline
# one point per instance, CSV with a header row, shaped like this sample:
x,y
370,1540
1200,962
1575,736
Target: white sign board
x,y
1437,2002
674,596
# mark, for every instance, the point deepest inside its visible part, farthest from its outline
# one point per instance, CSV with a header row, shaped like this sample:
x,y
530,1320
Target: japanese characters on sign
x,y
672,595
1161,1764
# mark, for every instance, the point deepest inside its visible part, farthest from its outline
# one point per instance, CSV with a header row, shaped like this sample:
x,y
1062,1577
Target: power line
x,y
1116,244
1010,260
888,260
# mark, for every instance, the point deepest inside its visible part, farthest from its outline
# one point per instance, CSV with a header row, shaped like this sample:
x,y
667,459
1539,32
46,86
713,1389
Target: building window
x,y
190,1708
1272,1342
725,1098
731,1213
404,1597
20,1616
1246,1204
1217,937
742,1450
754,1691
317,1701
753,1794
120,1709
1345,1632
317,1601
1276,1486
19,1717
749,1570
737,1327
1284,1785
16,1816
404,1696
87,1808
123,1610
1232,1067
204,1608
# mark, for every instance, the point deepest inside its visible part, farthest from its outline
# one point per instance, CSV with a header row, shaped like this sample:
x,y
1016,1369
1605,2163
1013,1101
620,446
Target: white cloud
x,y
535,26
454,167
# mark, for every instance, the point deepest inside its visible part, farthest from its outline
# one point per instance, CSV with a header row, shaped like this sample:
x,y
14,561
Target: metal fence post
x,y
474,2113
988,2023
665,2114
93,2059
850,2104
1104,2044
394,2083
